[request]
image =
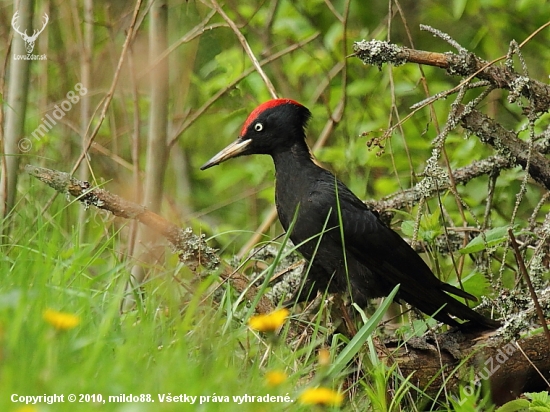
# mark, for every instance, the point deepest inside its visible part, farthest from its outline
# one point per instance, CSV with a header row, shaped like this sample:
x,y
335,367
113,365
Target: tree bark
x,y
15,113
85,101
509,368
157,148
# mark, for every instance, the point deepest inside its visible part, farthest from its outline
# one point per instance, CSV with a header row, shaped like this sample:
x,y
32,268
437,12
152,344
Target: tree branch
x,y
463,175
510,368
508,144
192,250
376,52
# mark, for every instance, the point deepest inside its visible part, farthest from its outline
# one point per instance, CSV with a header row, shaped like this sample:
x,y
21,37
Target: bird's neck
x,y
295,171
292,161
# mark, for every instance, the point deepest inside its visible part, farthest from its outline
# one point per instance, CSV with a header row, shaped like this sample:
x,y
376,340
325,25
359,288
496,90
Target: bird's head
x,y
273,126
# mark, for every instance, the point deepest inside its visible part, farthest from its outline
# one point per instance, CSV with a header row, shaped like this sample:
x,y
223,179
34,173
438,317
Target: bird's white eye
x,y
258,127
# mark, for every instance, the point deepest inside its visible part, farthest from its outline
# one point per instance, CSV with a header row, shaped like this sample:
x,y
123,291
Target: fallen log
x,y
461,362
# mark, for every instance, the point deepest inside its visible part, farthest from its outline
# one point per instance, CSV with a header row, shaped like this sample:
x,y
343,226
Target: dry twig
x,y
527,279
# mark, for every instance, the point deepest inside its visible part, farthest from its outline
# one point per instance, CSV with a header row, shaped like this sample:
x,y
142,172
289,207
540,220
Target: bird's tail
x,y
457,292
460,310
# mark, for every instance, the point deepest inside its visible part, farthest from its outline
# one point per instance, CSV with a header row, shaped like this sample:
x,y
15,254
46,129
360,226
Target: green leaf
x,y
458,8
361,337
513,406
407,227
427,231
493,237
539,400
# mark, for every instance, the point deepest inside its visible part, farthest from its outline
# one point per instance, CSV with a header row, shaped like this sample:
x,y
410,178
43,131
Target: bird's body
x,y
311,200
349,249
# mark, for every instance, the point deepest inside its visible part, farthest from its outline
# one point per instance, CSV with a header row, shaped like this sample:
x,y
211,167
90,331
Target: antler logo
x,y
29,40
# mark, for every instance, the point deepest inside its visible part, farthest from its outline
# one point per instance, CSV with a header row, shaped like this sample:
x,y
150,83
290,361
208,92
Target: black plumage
x,y
375,259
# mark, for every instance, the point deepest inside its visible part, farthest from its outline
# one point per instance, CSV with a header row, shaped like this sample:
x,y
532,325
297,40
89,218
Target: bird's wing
x,y
371,242
387,258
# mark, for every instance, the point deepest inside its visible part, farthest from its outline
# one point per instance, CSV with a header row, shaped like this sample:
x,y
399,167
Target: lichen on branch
x,y
191,248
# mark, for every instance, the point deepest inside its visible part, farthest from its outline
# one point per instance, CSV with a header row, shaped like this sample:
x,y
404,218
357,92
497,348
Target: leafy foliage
x,y
184,337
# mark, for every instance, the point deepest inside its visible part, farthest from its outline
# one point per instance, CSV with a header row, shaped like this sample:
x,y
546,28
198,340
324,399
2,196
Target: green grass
x,y
175,342
178,341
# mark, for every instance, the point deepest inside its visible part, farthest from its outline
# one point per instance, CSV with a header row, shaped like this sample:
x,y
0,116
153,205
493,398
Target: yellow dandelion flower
x,y
270,322
275,378
61,320
321,396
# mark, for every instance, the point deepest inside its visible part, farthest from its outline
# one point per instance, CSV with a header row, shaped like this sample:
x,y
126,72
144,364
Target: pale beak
x,y
235,149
